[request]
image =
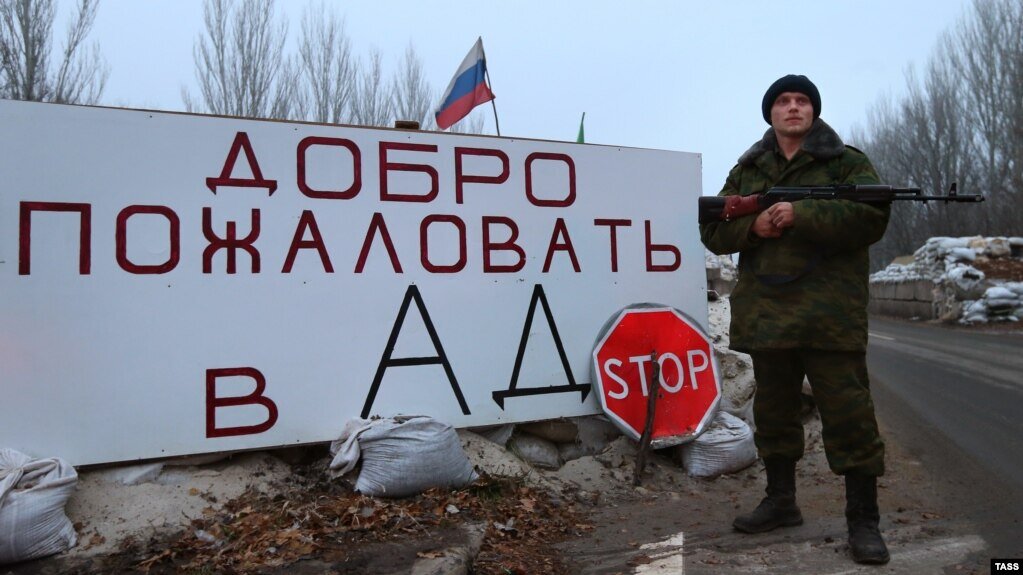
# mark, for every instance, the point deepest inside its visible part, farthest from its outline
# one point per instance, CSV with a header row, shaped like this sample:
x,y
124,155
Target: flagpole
x,y
490,84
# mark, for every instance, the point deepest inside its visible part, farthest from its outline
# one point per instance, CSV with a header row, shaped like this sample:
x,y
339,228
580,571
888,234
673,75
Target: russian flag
x,y
467,89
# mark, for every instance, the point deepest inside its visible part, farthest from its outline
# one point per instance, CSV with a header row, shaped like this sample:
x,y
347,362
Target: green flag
x,y
581,138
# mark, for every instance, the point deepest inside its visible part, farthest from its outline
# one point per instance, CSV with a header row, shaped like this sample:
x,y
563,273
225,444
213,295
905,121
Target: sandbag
x,y
402,456
536,451
726,447
32,497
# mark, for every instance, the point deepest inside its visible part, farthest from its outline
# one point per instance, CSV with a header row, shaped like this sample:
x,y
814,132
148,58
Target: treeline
x,y
242,66
961,120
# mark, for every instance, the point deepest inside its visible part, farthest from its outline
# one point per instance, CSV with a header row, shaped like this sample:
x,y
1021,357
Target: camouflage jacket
x,y
807,288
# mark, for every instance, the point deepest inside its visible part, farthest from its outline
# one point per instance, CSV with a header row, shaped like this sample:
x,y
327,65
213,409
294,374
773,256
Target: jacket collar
x,y
821,142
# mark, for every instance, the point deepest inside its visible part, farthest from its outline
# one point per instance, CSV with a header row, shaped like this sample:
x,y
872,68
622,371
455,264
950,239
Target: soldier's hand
x,y
764,226
782,215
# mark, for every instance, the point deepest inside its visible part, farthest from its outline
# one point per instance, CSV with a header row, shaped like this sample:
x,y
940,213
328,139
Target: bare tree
x,y
240,63
243,71
371,105
26,71
411,94
327,71
986,54
961,121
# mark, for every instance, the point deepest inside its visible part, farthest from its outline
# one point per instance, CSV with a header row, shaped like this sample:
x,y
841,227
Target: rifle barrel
x,y
713,209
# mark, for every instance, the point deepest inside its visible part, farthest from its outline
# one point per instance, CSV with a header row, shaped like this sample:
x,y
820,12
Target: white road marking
x,y
879,336
666,556
931,554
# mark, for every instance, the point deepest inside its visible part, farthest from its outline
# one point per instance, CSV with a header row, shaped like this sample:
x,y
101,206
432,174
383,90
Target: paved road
x,y
954,398
950,403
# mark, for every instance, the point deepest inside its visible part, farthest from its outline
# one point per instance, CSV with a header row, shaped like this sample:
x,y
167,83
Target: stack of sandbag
x,y
722,263
961,291
939,254
401,456
32,497
1002,302
721,275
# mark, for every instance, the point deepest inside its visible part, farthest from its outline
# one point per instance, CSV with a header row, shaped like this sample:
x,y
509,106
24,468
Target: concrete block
x,y
901,308
882,290
923,290
905,291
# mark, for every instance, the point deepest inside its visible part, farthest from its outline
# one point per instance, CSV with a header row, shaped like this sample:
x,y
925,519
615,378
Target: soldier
x,y
800,309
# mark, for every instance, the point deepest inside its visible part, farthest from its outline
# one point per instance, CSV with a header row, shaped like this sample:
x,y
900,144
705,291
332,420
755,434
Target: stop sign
x,y
690,386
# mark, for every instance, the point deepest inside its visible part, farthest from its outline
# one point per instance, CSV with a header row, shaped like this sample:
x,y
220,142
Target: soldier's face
x,y
792,114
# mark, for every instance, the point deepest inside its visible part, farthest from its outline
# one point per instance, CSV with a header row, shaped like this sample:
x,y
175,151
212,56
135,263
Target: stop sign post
x,y
690,386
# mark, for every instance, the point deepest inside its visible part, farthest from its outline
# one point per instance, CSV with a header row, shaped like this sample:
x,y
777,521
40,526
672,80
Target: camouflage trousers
x,y
841,390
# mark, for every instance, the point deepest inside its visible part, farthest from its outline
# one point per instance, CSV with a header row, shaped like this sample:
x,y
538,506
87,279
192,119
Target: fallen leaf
x,y
146,565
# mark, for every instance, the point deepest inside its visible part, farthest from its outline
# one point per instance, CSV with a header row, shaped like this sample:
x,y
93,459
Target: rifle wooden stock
x,y
725,208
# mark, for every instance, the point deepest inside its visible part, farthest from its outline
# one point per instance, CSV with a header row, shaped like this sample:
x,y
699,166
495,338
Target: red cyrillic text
x,y
652,247
347,194
386,166
461,179
613,226
444,242
424,244
563,245
25,233
121,236
562,203
231,243
213,402
508,245
377,225
307,222
241,144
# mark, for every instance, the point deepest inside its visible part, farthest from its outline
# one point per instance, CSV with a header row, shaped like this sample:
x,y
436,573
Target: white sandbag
x,y
999,293
536,451
499,434
402,456
998,248
961,255
346,449
32,497
726,447
967,282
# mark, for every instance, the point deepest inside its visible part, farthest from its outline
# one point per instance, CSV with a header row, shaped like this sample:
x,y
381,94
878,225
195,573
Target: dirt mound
x,y
1009,269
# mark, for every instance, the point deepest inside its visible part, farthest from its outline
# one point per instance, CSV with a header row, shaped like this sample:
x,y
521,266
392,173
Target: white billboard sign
x,y
176,284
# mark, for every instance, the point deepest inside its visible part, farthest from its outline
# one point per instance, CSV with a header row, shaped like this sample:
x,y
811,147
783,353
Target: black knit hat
x,y
791,83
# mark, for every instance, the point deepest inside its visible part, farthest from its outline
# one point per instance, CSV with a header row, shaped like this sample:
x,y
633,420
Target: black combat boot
x,y
778,509
862,517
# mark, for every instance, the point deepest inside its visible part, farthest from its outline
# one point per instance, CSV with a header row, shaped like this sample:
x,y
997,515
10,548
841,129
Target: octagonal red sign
x,y
690,385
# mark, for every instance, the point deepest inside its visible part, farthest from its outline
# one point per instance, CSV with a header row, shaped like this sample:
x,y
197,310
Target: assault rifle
x,y
717,208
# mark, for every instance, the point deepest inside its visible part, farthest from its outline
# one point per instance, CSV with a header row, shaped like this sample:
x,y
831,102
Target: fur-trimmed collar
x,y
821,142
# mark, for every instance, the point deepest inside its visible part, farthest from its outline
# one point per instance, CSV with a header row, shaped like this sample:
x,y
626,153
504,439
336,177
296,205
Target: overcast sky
x,y
686,76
